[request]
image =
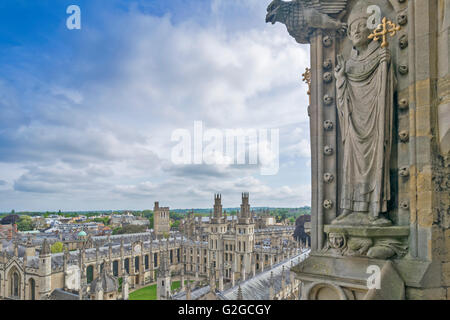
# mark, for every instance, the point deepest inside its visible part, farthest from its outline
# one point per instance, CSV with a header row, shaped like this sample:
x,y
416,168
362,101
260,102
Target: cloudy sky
x,y
87,116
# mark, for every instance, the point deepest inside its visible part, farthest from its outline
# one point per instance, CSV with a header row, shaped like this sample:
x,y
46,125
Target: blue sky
x,y
86,116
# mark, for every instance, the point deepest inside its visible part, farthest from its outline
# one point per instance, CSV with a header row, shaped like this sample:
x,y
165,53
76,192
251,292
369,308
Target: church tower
x,y
45,269
217,228
163,280
245,239
161,220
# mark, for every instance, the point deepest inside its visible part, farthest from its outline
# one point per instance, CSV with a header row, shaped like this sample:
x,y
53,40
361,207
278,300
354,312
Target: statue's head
x,y
358,32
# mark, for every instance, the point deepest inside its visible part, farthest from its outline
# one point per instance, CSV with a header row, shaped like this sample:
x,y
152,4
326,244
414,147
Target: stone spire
x,y
239,294
271,289
45,249
217,207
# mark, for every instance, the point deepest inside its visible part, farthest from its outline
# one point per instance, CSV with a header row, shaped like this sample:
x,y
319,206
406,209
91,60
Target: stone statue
x,y
301,17
365,87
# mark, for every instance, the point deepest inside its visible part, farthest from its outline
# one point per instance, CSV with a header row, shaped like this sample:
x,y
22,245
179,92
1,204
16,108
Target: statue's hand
x,y
339,71
385,55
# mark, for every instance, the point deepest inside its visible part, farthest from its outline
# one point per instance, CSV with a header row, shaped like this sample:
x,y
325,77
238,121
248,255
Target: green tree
x,y
175,224
25,223
57,247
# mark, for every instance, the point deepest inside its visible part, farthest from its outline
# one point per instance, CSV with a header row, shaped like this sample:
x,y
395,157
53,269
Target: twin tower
x,y
244,215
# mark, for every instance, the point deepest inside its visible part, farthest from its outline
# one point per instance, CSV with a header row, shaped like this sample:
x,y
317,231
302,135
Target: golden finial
x,y
386,27
307,79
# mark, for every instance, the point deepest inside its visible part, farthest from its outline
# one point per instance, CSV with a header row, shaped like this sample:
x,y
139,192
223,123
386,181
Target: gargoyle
x,y
301,17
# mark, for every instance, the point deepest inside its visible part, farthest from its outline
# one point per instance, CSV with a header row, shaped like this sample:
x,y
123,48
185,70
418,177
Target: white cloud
x,y
112,133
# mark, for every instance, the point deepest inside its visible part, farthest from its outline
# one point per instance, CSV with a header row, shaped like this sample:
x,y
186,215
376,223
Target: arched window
x,y
32,286
127,265
136,264
146,261
15,285
116,268
90,273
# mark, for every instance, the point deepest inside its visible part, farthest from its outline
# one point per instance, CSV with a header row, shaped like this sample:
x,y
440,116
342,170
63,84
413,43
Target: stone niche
x,y
406,233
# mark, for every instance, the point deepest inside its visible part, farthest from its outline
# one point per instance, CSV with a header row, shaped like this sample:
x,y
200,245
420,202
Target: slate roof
x,y
195,294
258,287
59,294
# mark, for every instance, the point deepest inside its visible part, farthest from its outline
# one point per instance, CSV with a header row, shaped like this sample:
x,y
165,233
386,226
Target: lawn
x,y
149,293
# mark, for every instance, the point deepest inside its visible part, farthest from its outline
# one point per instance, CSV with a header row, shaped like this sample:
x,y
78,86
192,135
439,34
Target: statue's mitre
x,y
359,11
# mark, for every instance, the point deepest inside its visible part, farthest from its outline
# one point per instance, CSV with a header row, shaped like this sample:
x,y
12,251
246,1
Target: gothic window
x,y
146,262
155,259
90,273
32,286
171,256
136,264
116,268
15,284
127,265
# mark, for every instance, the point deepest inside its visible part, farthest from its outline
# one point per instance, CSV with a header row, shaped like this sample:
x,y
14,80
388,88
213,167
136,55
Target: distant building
x,y
161,220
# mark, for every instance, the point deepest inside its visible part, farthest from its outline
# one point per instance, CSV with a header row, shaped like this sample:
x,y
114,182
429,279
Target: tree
x,y
57,247
175,224
25,223
151,222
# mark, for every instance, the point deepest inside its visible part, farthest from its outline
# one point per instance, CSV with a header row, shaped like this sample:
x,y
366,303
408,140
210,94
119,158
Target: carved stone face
x,y
358,33
336,240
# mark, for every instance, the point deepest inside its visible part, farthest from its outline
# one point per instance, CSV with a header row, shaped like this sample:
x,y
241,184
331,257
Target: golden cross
x,y
307,79
383,29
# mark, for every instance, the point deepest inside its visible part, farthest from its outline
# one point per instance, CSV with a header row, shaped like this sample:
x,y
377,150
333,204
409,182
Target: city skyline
x,y
87,115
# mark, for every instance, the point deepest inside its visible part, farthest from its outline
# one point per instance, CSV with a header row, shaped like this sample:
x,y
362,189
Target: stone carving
x,y
403,172
328,125
404,205
403,42
402,18
365,99
337,240
327,99
301,17
327,64
327,77
403,69
328,177
328,204
404,136
347,241
328,151
403,104
327,41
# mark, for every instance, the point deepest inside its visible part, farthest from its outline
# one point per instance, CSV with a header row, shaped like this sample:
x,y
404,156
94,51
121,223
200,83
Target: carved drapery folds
x,y
344,196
